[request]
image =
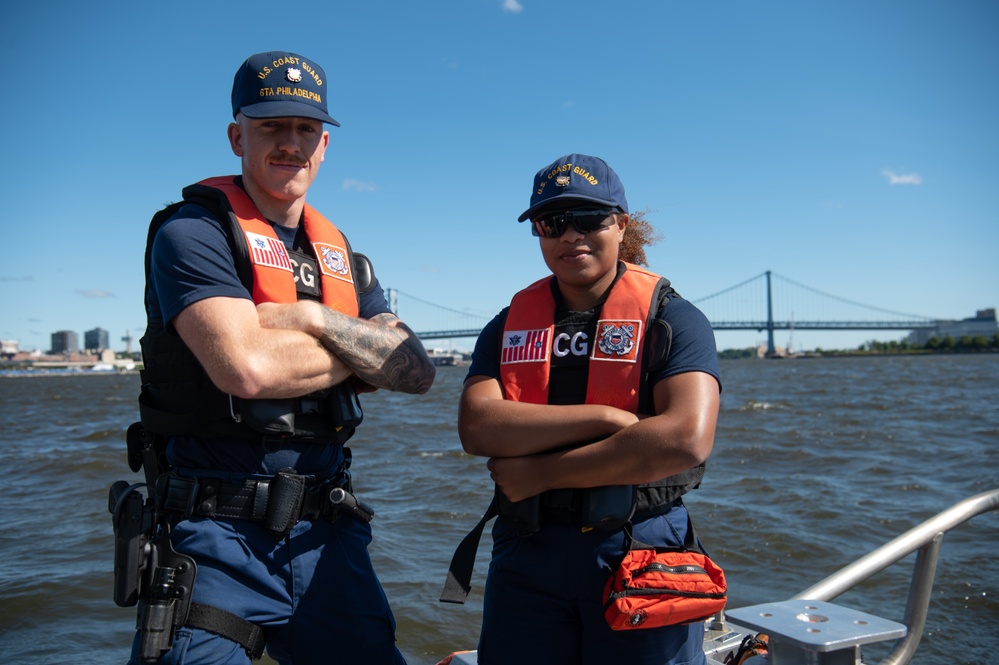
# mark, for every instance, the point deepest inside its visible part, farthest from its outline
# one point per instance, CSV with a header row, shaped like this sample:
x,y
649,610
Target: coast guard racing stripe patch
x,y
616,340
525,346
266,251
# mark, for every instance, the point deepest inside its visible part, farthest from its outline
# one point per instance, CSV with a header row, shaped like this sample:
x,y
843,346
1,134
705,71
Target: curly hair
x,y
637,235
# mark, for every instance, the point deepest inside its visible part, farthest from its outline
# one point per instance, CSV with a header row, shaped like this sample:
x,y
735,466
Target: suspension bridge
x,y
767,302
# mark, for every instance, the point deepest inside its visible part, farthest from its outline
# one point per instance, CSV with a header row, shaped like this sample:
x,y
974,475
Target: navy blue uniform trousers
x,y
315,592
544,599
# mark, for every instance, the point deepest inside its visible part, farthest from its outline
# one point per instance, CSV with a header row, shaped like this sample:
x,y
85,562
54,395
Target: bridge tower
x,y
771,349
392,295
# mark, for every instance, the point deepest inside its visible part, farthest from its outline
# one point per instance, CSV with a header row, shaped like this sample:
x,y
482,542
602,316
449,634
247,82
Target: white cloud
x,y
357,185
512,6
903,179
94,293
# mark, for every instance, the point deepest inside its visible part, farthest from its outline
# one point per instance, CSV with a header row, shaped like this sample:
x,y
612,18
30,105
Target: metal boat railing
x,y
926,538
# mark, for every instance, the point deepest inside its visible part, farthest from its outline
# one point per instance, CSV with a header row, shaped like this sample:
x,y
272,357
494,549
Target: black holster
x,y
148,572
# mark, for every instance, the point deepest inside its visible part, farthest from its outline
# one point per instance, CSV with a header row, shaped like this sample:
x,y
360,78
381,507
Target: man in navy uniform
x,y
263,326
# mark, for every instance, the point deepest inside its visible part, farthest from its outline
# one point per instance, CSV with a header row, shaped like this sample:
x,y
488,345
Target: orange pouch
x,y
663,586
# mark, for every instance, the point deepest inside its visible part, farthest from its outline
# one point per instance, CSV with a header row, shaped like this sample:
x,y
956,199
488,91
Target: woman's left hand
x,y
517,477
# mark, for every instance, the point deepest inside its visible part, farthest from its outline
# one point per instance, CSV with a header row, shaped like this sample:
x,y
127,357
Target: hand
x,y
517,477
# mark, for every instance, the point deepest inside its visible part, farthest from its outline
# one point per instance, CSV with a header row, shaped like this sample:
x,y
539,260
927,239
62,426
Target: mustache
x,y
286,158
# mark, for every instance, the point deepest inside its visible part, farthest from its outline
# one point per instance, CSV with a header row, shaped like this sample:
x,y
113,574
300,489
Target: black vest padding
x,y
177,397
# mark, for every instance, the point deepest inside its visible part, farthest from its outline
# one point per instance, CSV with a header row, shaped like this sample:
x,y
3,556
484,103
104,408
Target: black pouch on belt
x,y
284,504
608,508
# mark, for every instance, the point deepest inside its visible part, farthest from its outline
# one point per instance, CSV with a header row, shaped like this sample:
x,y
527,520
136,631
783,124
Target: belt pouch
x,y
178,495
609,507
654,587
284,505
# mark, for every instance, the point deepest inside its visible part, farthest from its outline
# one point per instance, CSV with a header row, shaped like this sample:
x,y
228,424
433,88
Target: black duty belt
x,y
563,506
278,502
568,506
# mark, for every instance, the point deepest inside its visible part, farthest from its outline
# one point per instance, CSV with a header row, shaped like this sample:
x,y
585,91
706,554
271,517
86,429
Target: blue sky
x,y
850,146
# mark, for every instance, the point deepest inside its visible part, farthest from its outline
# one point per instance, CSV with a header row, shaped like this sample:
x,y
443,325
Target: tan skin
x,y
285,350
628,448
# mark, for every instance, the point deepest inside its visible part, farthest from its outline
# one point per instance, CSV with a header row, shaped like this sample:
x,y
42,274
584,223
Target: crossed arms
x,y
526,443
277,351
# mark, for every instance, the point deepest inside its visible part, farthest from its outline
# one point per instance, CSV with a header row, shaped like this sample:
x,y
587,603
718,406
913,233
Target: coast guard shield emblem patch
x,y
616,341
333,261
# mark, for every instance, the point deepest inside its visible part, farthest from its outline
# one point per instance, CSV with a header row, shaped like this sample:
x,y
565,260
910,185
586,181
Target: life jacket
x,y
178,397
629,342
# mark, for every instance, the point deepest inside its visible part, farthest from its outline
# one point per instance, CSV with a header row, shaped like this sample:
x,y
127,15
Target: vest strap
x,y
459,573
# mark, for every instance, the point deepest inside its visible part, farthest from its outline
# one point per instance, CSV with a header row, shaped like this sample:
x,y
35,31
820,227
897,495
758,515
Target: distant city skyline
x,y
60,341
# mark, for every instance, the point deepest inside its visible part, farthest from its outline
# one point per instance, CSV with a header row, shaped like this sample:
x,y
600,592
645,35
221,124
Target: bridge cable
x,y
851,302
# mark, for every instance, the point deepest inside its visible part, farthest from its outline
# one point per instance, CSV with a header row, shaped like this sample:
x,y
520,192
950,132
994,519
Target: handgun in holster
x,y
133,519
148,572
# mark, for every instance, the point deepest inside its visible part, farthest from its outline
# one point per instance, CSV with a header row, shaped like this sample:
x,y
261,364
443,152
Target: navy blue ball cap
x,y
576,179
281,85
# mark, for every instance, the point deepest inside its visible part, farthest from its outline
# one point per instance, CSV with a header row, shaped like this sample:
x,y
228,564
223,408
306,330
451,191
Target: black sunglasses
x,y
553,225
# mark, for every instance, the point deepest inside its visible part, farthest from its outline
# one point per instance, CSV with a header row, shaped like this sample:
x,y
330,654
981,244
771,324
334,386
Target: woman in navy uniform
x,y
595,397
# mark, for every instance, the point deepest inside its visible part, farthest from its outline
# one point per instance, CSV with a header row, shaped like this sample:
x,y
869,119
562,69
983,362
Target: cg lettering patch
x,y
617,340
333,261
525,346
267,251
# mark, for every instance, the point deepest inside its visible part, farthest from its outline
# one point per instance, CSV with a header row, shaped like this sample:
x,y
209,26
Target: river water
x,y
816,462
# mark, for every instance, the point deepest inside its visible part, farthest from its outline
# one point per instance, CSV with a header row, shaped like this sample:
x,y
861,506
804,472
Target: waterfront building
x,y
983,323
65,341
96,340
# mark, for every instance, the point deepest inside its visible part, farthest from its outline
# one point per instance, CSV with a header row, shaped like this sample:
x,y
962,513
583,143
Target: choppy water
x,y
816,462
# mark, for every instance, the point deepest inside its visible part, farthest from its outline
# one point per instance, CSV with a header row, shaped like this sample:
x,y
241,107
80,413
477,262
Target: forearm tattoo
x,y
390,357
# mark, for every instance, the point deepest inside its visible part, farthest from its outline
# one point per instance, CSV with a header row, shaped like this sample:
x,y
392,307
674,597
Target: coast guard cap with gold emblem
x,y
576,179
281,85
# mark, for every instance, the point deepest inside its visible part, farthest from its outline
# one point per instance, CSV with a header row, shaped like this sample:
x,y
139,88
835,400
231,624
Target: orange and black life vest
x,y
273,277
629,343
178,397
616,363
617,373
